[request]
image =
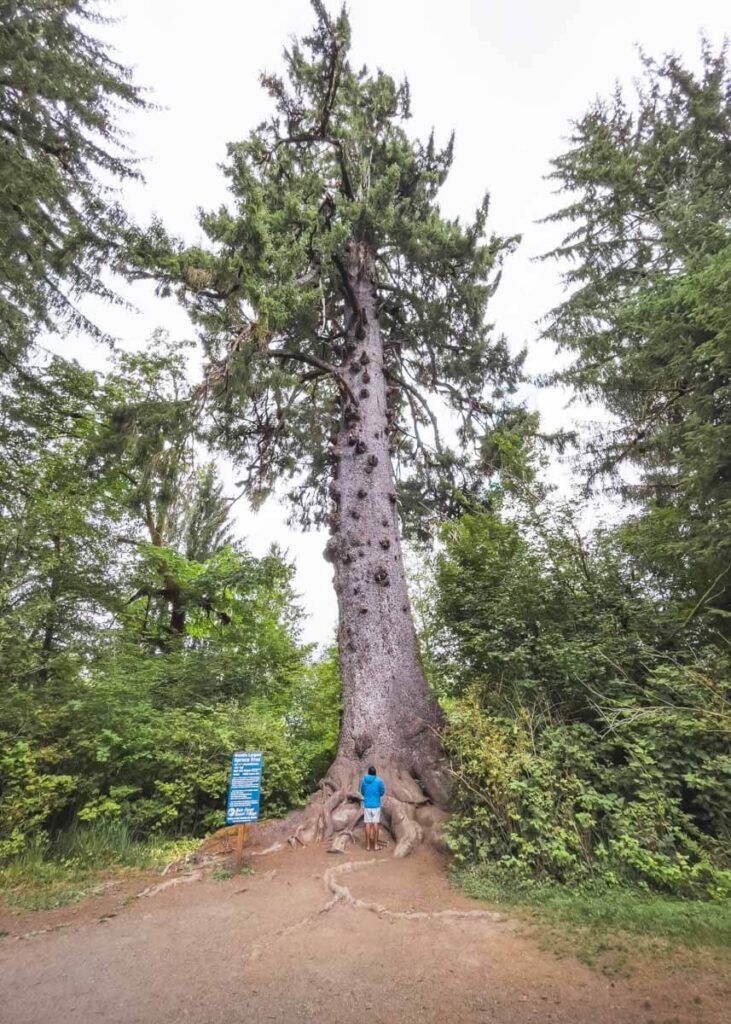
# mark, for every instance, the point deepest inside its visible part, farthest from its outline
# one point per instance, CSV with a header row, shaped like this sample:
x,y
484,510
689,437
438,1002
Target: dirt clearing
x,y
299,940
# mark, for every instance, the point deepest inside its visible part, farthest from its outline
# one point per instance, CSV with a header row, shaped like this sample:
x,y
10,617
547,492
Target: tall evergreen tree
x,y
147,445
649,317
63,572
61,150
340,312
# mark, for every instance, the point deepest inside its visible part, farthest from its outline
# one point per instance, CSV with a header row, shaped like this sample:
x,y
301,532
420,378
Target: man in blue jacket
x,y
372,789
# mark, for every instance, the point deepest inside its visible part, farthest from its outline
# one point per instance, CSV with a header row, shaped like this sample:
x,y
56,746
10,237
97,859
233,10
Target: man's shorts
x,y
372,815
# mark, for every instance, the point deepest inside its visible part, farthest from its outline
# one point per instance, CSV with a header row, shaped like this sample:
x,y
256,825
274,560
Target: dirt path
x,y
296,941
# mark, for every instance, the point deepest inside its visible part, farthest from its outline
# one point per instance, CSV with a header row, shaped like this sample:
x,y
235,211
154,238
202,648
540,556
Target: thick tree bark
x,y
177,614
49,630
389,717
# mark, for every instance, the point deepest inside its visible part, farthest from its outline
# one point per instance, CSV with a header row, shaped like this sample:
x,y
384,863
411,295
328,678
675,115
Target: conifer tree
x,y
649,245
341,313
61,151
147,444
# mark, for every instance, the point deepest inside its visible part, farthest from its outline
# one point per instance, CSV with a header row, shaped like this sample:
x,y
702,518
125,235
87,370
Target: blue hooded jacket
x,y
372,789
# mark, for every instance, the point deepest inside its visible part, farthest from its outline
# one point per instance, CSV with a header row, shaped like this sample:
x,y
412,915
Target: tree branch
x,y
305,137
400,382
319,364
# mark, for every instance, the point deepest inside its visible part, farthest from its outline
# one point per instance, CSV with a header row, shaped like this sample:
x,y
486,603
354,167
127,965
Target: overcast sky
x,y
506,75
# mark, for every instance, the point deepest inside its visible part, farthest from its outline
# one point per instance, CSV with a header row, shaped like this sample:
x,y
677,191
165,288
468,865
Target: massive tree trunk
x,y
389,717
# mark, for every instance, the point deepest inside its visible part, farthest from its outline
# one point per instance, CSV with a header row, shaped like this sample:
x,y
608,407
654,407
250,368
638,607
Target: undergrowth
x,y
609,926
79,862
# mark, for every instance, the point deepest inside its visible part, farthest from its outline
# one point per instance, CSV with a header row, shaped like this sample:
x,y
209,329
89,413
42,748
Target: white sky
x,y
507,75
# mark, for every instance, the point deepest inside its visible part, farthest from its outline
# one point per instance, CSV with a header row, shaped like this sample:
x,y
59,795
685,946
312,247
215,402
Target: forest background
x,y
574,614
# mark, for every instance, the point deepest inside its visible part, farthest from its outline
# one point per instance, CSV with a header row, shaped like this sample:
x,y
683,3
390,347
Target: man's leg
x,y
370,832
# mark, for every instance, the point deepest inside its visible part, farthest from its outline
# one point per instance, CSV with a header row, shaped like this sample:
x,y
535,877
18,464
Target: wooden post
x,y
240,838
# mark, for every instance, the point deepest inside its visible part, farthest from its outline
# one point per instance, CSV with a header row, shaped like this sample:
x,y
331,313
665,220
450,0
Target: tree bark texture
x,y
389,717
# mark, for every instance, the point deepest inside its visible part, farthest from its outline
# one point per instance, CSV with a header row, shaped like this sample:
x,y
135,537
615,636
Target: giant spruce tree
x,y
341,315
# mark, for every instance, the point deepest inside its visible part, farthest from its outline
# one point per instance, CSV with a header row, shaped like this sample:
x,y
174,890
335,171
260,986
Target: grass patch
x,y
600,925
221,874
78,862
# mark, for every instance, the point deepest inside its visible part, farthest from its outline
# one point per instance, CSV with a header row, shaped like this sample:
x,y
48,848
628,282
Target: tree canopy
x,y
335,163
138,640
648,317
62,93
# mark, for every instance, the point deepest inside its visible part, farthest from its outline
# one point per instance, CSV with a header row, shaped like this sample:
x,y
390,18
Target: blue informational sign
x,y
244,785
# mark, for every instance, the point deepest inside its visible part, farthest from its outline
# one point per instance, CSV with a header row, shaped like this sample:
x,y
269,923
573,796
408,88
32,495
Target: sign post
x,y
242,798
240,840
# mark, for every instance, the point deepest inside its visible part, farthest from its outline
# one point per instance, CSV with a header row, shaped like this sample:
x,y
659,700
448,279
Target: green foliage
x,y
603,911
648,319
580,750
163,770
61,95
333,167
59,563
561,802
590,679
221,874
79,863
27,795
139,644
527,603
145,739
314,716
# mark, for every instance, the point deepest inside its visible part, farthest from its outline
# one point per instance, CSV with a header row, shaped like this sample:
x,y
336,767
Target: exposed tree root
x,y
334,813
274,848
153,890
341,894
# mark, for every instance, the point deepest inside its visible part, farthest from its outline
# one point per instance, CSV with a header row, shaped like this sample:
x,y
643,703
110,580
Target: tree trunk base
x,y
334,813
